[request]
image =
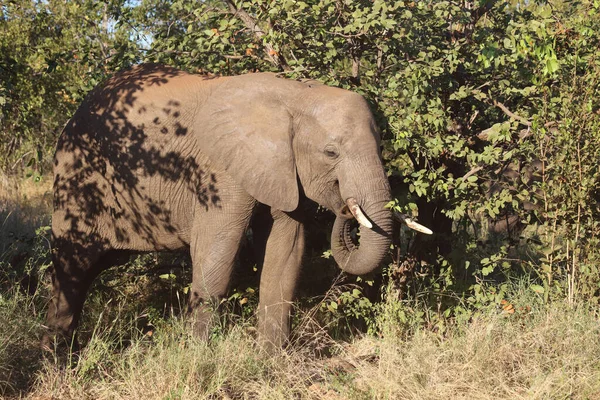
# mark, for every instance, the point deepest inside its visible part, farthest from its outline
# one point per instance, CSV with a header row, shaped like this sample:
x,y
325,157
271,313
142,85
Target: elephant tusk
x,y
357,212
412,224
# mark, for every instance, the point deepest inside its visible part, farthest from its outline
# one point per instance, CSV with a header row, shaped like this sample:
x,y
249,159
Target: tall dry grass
x,y
550,353
25,206
553,353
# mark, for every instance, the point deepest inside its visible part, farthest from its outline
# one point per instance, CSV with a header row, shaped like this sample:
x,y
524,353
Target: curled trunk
x,y
374,243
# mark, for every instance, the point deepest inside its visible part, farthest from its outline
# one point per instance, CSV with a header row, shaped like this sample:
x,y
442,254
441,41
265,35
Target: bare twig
x,y
476,15
355,50
479,12
523,133
355,66
21,159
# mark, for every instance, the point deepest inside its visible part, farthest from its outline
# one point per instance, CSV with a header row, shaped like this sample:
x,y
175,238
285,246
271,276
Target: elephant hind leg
x,y
75,268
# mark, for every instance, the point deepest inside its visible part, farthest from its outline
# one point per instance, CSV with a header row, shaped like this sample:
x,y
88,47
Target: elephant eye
x,y
331,152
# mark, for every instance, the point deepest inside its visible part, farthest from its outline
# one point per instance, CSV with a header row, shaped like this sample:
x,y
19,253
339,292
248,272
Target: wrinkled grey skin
x,y
158,159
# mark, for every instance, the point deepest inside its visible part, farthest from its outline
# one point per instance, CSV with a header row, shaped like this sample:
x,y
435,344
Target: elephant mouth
x,y
344,212
349,235
354,221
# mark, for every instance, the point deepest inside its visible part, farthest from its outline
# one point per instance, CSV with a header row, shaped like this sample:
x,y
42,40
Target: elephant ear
x,y
250,137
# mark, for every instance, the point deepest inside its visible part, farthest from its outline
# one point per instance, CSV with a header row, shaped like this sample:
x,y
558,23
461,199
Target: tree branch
x,y
523,133
479,12
473,171
506,111
355,57
273,56
466,31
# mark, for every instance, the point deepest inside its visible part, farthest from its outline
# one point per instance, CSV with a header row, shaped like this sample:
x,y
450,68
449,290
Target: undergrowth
x,y
538,351
500,341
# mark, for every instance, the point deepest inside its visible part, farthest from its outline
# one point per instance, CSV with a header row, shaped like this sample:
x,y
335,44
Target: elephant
x,y
158,159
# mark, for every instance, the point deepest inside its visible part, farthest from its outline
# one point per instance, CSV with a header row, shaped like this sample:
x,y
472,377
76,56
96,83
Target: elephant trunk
x,y
374,242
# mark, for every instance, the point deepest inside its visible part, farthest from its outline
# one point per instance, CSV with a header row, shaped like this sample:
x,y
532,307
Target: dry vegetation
x,y
537,352
553,353
24,206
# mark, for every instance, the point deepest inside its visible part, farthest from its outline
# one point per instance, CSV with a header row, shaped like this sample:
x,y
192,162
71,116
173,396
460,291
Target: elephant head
x,y
285,138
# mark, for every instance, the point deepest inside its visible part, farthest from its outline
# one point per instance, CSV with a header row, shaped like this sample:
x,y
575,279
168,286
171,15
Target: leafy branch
x,y
275,57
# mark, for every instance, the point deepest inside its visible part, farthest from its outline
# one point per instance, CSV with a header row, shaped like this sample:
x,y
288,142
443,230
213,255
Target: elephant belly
x,y
146,220
114,215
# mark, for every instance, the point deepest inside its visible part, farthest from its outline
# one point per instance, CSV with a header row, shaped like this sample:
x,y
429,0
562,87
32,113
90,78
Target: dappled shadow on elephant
x,y
117,160
118,163
157,159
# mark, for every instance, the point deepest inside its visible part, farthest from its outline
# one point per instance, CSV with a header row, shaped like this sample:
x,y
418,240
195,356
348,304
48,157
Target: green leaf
x,y
552,65
538,289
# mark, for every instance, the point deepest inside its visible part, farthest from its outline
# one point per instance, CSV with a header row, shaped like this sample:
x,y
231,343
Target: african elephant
x,y
160,159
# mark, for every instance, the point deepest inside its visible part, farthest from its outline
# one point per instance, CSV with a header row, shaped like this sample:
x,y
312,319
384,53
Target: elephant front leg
x,y
281,267
215,242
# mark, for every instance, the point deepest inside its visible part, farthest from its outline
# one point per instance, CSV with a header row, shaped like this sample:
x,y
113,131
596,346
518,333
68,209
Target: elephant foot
x,y
63,349
47,343
272,336
202,320
270,347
